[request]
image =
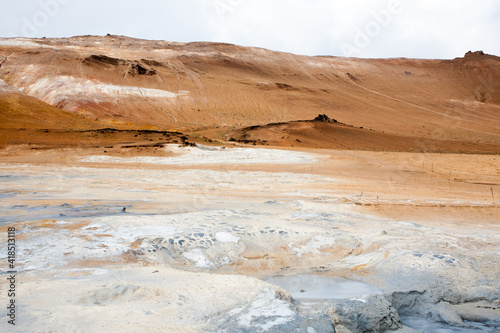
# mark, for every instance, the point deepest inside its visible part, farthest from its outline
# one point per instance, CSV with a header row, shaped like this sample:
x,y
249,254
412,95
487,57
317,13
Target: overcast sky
x,y
358,28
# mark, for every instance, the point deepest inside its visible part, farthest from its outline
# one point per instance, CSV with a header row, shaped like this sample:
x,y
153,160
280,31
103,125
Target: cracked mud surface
x,y
188,248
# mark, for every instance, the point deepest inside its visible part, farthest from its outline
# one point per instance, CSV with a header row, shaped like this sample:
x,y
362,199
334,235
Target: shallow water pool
x,y
322,287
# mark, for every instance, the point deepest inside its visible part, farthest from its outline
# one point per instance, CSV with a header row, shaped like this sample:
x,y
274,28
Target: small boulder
x,y
366,314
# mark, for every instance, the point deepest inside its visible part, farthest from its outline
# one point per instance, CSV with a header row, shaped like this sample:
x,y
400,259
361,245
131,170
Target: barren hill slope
x,y
122,81
329,135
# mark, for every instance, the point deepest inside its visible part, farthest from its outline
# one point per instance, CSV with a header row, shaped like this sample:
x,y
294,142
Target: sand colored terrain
x,y
153,185
203,225
215,88
314,134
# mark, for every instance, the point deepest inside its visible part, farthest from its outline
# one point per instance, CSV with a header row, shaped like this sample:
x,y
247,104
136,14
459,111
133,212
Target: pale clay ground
x,y
200,228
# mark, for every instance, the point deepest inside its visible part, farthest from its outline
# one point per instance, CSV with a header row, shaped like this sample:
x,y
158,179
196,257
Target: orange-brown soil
x,y
217,90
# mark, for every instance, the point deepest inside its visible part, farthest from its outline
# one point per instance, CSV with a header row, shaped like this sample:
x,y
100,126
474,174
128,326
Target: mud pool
x,y
322,287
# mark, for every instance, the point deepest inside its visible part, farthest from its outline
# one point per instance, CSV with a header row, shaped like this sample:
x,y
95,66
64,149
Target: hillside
x,y
333,135
115,81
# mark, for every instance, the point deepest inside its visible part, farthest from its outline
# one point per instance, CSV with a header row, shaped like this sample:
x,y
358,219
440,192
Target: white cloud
x,y
424,28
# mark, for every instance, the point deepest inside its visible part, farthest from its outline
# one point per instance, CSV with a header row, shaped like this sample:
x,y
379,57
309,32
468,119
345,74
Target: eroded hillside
x,y
121,82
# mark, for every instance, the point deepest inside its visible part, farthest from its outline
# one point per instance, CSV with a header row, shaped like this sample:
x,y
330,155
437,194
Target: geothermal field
x,y
154,186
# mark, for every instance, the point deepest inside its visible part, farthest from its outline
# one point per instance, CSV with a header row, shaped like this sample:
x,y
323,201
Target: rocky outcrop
x,y
472,54
367,314
100,59
453,313
323,118
141,69
134,67
424,305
